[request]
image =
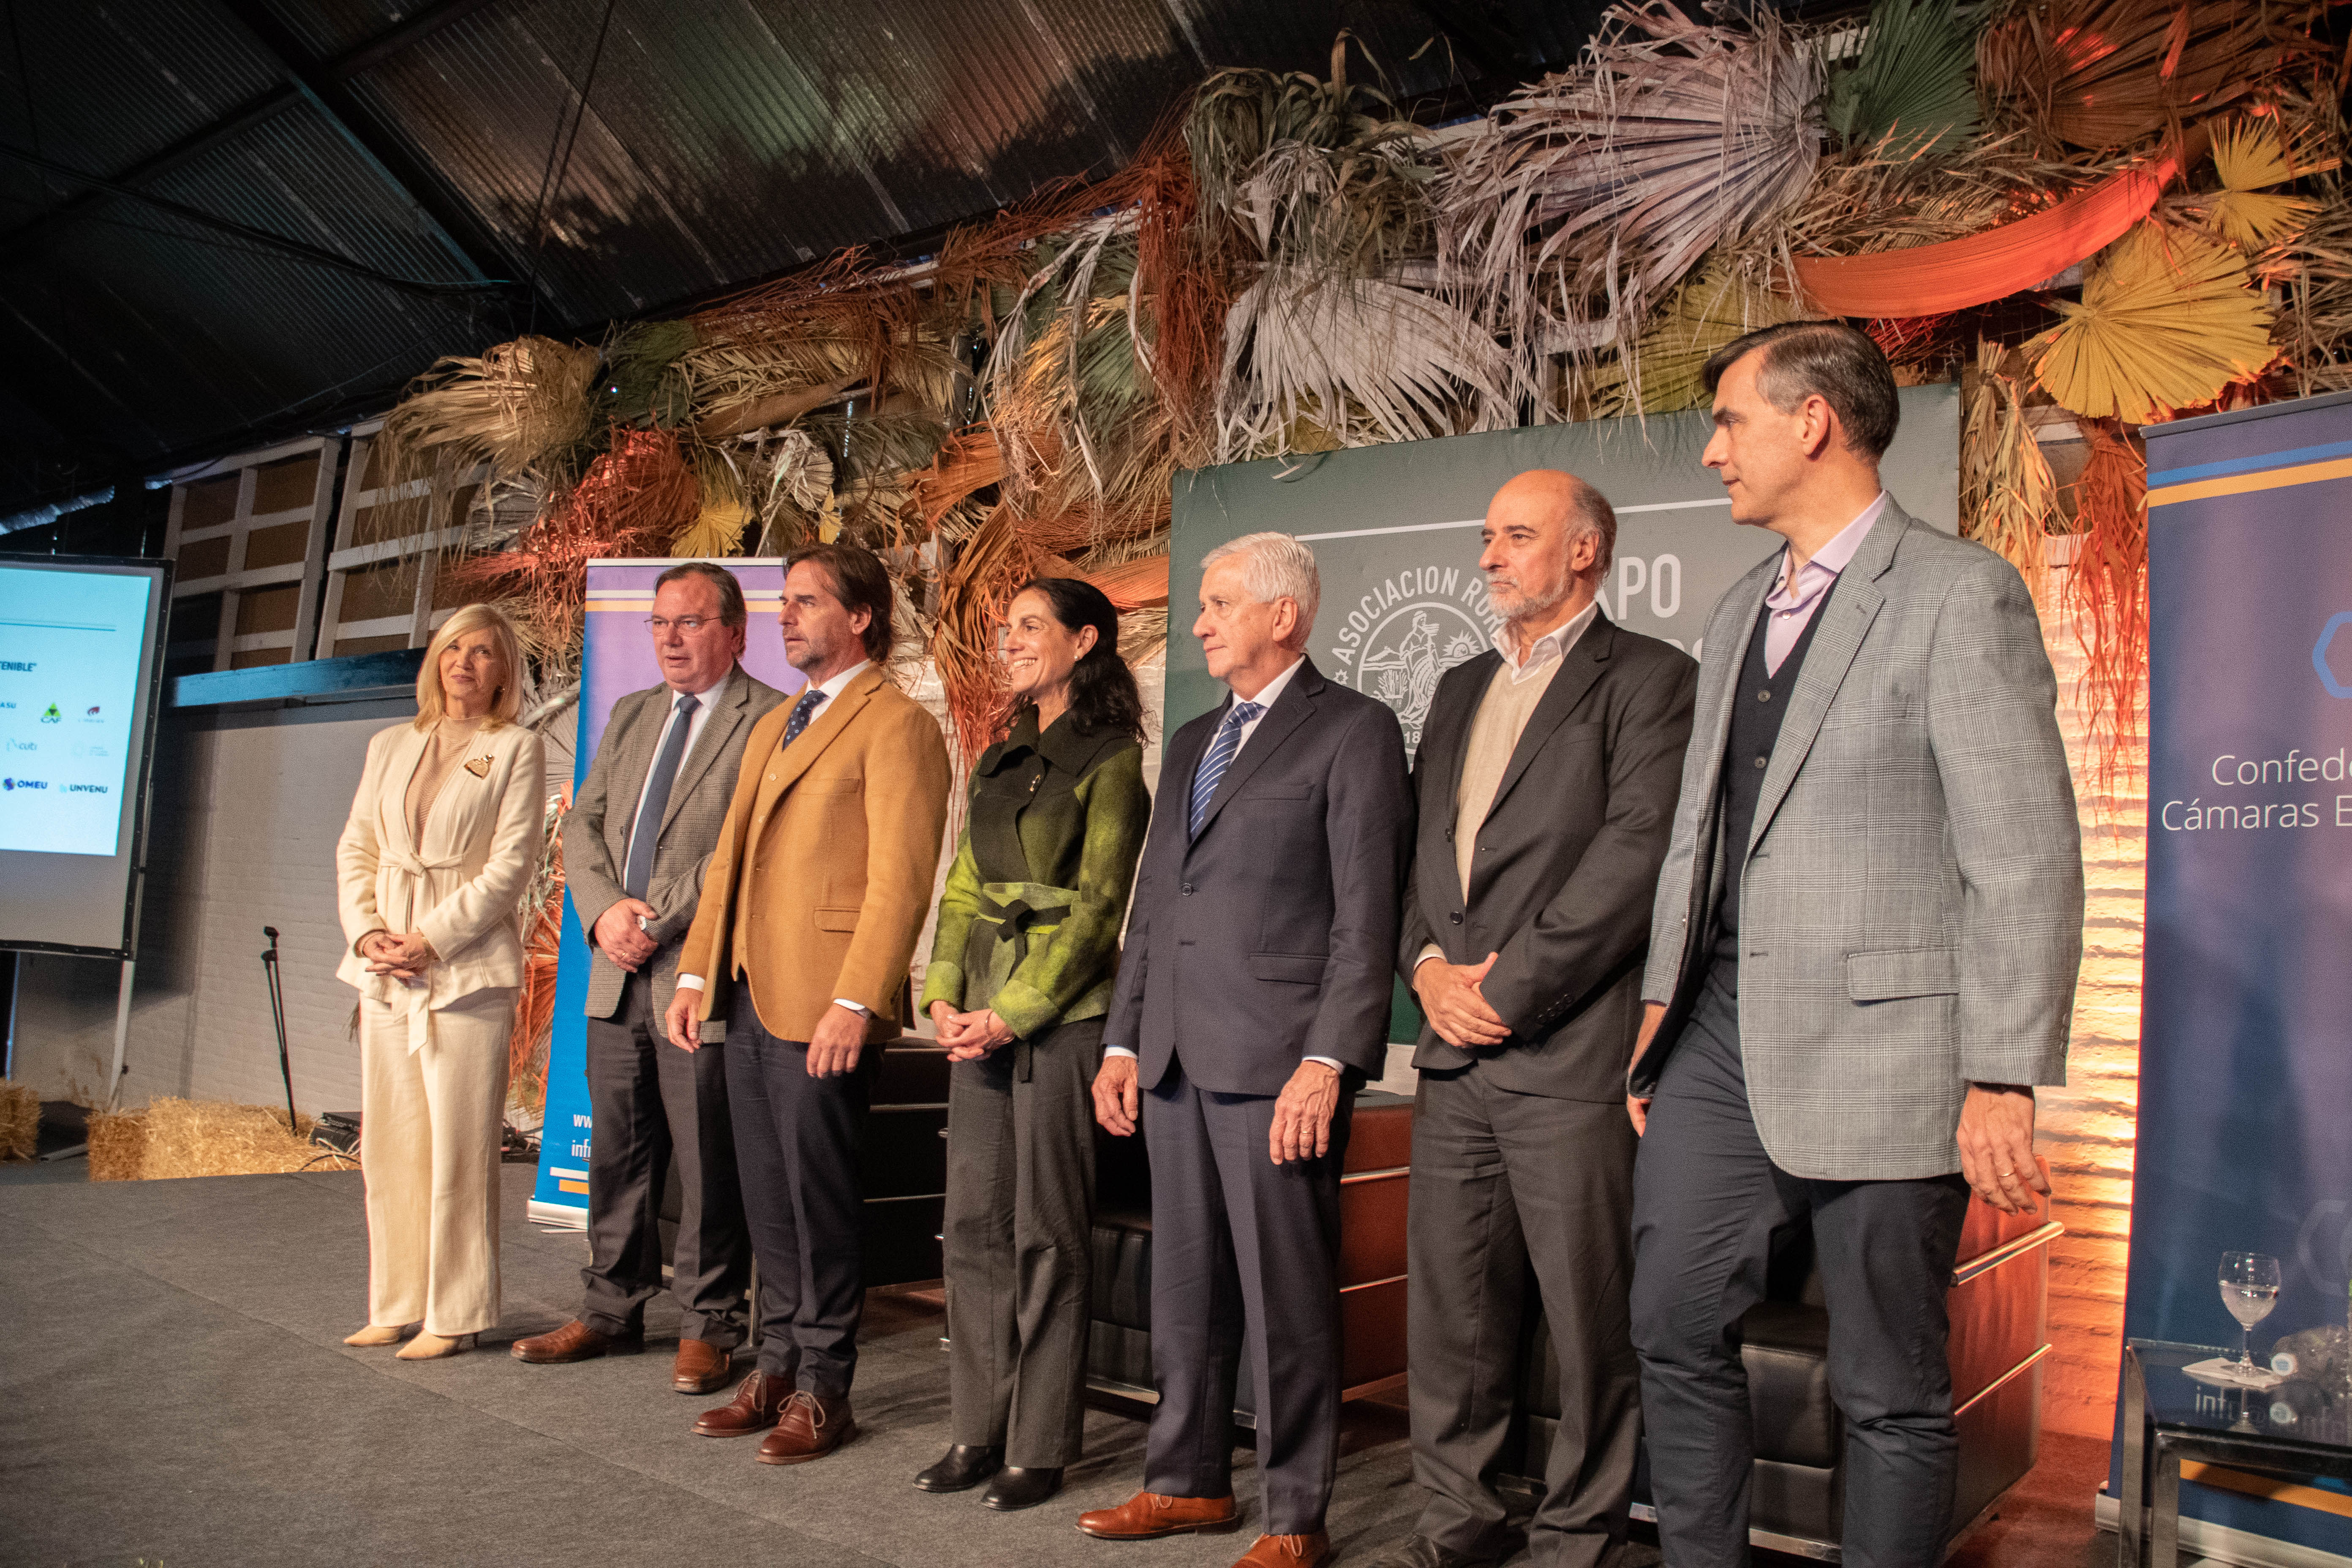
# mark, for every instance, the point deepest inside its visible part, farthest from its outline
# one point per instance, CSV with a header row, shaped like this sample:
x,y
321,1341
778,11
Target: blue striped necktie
x,y
802,711
1212,771
644,833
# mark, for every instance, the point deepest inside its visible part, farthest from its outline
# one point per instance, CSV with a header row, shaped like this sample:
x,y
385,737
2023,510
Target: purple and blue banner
x,y
2245,1068
616,657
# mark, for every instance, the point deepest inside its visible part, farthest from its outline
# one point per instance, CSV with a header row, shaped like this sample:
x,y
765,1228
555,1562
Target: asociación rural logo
x,y
1406,631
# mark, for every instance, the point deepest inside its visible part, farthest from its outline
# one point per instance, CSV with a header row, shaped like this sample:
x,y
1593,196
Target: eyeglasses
x,y
689,625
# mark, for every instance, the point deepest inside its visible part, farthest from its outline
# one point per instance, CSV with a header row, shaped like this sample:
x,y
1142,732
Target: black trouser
x,y
1707,1204
1020,1222
1500,1181
646,1098
1244,1260
796,1142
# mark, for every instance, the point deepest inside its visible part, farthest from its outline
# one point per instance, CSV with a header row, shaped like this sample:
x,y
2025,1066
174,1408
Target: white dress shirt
x,y
1267,695
825,694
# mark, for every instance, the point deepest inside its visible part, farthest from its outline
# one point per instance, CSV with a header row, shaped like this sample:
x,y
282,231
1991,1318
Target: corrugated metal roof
x,y
721,141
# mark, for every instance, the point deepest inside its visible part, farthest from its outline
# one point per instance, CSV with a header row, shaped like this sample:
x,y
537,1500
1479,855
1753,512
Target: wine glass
x,y
2249,1287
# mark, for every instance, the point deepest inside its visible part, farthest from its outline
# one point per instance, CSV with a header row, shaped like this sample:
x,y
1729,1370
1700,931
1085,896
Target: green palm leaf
x,y
1911,83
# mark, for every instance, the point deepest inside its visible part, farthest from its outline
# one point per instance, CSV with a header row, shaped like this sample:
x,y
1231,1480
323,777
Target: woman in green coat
x,y
1019,982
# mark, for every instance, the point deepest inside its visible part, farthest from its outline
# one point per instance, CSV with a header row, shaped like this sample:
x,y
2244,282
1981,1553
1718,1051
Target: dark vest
x,y
1755,730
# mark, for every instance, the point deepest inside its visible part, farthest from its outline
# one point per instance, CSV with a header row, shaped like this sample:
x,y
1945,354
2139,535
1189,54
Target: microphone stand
x,y
278,1013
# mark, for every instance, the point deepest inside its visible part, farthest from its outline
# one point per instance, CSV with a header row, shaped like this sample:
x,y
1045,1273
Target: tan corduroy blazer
x,y
463,886
822,873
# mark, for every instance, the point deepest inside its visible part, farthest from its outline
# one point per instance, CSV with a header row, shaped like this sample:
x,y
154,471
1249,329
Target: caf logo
x,y
1407,649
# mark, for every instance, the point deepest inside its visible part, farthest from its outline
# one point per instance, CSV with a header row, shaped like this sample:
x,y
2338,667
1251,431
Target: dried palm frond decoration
x,y
2009,497
515,407
2166,321
2313,273
1909,94
1591,192
2105,74
1661,372
2251,155
2108,591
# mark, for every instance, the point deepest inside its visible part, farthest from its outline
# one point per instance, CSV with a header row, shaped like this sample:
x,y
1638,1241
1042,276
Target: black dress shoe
x,y
963,1468
1015,1489
1421,1551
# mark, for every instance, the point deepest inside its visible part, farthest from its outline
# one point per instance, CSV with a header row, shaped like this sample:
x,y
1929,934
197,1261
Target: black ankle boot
x,y
1015,1488
963,1468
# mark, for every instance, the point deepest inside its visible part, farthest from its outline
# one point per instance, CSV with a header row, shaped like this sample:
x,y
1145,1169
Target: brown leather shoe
x,y
1287,1552
575,1341
812,1425
759,1399
701,1367
1146,1516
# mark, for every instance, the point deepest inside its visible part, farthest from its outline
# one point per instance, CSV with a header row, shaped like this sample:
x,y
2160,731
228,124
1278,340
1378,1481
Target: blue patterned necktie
x,y
1212,771
644,833
802,711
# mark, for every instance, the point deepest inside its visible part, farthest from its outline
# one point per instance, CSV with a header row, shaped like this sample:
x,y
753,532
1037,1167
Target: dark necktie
x,y
1220,757
802,711
644,833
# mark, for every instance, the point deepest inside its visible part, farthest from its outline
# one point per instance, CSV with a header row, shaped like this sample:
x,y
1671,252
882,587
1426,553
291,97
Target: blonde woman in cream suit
x,y
430,874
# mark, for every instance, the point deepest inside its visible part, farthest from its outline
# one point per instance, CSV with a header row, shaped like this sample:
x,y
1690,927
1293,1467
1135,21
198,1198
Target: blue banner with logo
x,y
616,657
2245,1073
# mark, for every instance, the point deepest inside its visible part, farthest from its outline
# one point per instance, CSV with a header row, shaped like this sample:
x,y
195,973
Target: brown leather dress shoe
x,y
1287,1552
1147,1516
701,1367
812,1425
575,1341
759,1399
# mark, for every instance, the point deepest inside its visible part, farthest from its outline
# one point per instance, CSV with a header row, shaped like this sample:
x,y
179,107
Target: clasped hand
x,y
969,1036
619,937
403,956
1455,1007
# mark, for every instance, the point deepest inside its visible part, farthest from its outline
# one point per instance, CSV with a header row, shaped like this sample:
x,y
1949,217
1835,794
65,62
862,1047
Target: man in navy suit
x,y
1253,1002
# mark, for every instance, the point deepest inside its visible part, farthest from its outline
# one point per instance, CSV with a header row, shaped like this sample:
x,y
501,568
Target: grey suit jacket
x,y
1567,859
1911,912
596,834
1270,937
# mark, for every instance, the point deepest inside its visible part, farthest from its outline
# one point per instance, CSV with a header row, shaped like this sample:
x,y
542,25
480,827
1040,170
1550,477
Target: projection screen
x,y
81,659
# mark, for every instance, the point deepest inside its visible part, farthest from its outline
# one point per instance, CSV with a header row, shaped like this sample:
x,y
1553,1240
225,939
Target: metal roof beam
x,y
322,85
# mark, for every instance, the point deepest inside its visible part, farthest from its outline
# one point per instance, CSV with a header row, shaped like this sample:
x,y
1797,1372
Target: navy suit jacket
x,y
1272,936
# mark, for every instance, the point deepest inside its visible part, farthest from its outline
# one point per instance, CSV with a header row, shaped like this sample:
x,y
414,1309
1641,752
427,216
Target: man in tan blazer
x,y
635,846
814,898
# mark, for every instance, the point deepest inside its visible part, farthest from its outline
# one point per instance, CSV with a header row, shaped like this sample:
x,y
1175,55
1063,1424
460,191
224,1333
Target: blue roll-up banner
x,y
2245,1078
616,657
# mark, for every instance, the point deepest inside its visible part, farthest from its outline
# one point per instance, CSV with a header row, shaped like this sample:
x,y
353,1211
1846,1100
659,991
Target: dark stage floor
x,y
173,1392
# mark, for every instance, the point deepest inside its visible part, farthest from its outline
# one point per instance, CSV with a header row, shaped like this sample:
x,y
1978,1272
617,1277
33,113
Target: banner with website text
x,y
617,657
2245,1069
1395,534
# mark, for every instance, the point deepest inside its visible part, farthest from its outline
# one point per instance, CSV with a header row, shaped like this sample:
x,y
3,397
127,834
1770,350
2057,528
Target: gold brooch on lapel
x,y
479,767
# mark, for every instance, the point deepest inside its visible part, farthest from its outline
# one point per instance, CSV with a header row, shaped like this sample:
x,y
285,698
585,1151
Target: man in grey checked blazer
x,y
635,846
1861,957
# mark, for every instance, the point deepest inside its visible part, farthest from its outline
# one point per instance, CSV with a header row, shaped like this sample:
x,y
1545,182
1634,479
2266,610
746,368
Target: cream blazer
x,y
462,887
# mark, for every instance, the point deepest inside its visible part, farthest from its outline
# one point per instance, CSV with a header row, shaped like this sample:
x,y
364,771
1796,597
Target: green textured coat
x,y
1030,919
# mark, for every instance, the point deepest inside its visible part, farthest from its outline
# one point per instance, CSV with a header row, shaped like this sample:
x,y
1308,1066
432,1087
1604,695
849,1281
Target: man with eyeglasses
x,y
636,846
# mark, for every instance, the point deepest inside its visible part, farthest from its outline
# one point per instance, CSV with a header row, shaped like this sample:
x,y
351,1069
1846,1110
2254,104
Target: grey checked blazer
x,y
1911,912
596,834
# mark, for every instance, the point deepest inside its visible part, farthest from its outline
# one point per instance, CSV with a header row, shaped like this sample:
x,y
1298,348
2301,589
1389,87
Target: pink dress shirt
x,y
1790,605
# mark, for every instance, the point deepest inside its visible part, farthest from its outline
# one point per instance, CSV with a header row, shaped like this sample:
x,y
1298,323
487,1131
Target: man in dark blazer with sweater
x,y
635,846
1253,1002
1546,782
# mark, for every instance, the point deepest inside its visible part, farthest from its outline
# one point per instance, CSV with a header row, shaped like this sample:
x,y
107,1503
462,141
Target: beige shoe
x,y
432,1347
378,1334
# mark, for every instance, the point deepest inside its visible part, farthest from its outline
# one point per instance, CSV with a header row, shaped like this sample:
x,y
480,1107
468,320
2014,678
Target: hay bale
x,y
118,1145
213,1137
20,1120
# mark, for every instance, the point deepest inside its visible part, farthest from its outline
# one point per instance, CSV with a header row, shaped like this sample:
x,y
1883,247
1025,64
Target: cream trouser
x,y
429,1125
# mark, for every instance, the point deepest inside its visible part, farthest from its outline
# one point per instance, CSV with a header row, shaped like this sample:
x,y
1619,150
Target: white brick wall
x,y
247,809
